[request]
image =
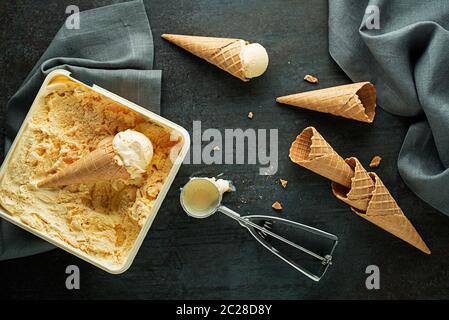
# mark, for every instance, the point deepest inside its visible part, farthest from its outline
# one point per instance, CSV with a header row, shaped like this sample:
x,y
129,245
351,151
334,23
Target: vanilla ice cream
x,y
254,59
222,185
134,151
101,219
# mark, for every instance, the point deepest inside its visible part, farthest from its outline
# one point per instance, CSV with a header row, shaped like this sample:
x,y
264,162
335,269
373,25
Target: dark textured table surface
x,y
214,258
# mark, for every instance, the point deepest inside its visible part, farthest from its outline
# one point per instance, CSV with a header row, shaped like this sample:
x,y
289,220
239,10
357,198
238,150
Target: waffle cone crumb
x,y
311,79
277,206
375,162
283,183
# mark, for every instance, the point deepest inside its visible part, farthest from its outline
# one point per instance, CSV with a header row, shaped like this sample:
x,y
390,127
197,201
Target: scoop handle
x,y
252,227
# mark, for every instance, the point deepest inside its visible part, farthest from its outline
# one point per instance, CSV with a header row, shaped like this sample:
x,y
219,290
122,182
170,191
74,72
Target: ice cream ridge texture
x,y
87,171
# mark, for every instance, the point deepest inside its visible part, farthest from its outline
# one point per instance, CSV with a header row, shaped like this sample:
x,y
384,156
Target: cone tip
x,y
280,99
417,242
286,99
46,183
41,184
171,37
426,250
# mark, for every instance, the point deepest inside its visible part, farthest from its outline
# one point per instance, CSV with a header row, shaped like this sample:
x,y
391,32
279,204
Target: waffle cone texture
x,y
363,191
312,152
356,101
371,200
98,165
221,52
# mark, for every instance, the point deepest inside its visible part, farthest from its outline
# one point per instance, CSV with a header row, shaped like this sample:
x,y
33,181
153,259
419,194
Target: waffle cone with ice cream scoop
x,y
355,101
352,184
123,157
236,56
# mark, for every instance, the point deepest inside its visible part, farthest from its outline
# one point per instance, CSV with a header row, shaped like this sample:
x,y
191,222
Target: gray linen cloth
x,y
407,59
113,48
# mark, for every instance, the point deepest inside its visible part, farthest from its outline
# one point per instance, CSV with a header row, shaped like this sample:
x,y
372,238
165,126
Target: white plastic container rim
x,y
161,196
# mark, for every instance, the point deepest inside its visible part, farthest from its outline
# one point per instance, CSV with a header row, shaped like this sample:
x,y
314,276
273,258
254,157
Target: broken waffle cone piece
x,y
371,200
375,162
277,206
284,183
222,52
312,152
355,101
98,165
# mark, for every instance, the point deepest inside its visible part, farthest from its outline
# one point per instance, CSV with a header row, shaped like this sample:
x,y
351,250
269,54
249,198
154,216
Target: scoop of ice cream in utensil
x,y
201,197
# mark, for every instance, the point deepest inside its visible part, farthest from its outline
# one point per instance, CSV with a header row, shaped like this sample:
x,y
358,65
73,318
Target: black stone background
x,y
214,258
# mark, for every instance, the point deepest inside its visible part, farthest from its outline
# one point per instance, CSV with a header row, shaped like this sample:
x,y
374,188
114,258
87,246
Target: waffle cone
x,y
312,152
362,186
355,101
371,200
99,165
222,52
399,226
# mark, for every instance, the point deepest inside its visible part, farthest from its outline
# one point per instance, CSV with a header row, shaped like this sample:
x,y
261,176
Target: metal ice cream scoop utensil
x,y
200,198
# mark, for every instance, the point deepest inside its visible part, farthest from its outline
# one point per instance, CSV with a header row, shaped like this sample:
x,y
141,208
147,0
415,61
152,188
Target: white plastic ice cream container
x,y
185,143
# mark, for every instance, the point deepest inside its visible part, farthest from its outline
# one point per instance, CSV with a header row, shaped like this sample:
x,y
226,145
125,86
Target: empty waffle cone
x,y
99,165
361,189
222,52
312,152
355,101
371,200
